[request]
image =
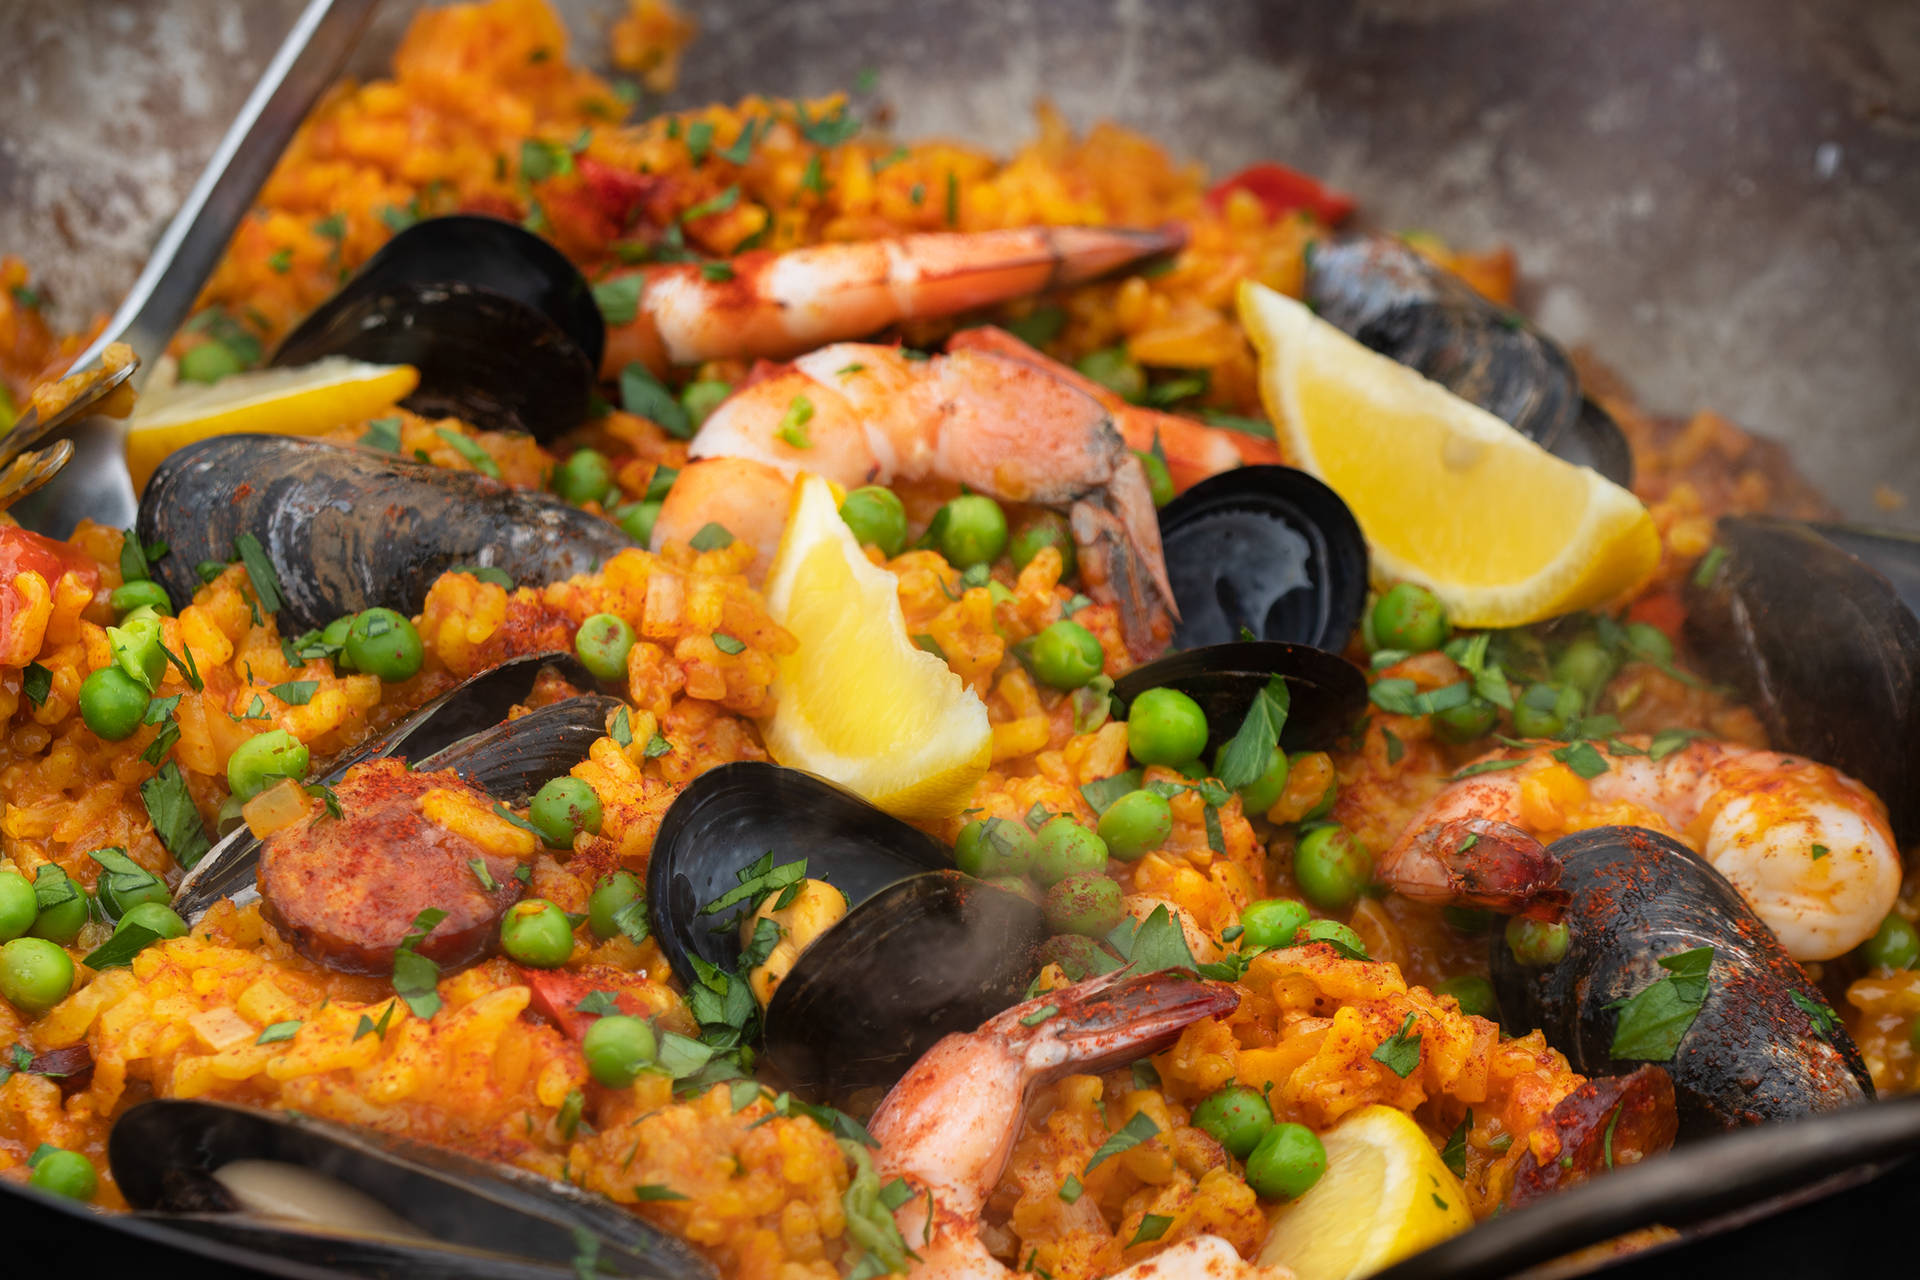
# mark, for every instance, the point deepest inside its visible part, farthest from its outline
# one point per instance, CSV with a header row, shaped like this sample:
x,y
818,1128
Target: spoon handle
x,y
304,65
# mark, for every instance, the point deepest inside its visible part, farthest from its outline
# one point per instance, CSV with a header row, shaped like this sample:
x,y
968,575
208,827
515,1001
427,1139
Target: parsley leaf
x,y
295,693
619,298
383,434
658,746
416,979
175,820
1654,1021
1454,1154
128,941
646,396
712,536
1823,1020
36,682
728,644
1252,747
1135,1131
1152,1227
1400,1052
275,1032
1582,758
598,1002
654,1191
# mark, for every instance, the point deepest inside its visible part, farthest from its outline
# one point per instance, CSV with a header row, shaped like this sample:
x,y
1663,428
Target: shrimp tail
x,y
1478,862
1118,539
1125,1017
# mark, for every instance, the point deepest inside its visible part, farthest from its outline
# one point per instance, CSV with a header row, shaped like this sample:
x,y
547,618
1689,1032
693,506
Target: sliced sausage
x,y
345,891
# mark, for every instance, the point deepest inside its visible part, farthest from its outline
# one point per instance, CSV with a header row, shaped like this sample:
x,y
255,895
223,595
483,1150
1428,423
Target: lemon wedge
x,y
304,401
1448,495
857,701
1386,1194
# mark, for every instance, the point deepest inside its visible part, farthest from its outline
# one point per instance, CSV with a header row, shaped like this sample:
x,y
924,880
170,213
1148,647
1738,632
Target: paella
x,y
722,693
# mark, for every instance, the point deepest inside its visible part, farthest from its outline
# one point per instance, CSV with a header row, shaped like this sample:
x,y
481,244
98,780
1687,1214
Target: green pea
x,y
1327,797
334,635
209,362
156,916
66,1173
1136,824
1273,922
140,595
1048,529
1261,794
1894,945
1332,867
1067,848
112,703
991,847
1087,903
1067,655
383,643
1584,665
636,520
263,760
701,397
1410,617
877,518
1165,726
603,643
1078,957
136,646
606,900
1474,993
61,920
1472,719
1332,931
1469,920
562,809
1159,479
1236,1117
584,477
1544,709
536,933
18,906
1112,369
618,1048
1648,642
35,975
1536,943
973,532
1286,1164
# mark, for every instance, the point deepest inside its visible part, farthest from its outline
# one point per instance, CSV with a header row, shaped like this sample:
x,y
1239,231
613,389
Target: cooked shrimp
x,y
949,1126
780,304
1806,845
1193,450
860,414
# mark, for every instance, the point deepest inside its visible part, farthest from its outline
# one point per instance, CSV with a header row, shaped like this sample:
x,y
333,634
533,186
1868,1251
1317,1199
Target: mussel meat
x,y
1326,692
1403,305
348,528
503,329
1819,642
1763,1046
1269,550
269,1183
922,951
465,730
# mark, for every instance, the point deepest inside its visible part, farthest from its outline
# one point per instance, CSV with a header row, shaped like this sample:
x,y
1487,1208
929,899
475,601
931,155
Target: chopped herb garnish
x,y
599,1003
1040,1015
720,203
812,178
932,646
324,794
712,536
1138,1128
757,881
737,151
36,682
631,920
1070,1189
646,396
1654,1021
1234,422
275,1032
483,874
1454,1154
1822,1018
1400,1052
717,272
1395,748
657,746
416,979
1709,567
1248,755
793,424
501,811
1668,741
367,1026
700,141
478,458
295,693
1819,852
1152,1227
830,129
1582,758
621,730
1484,766
175,820
654,1191
619,298
383,434
1102,792
266,583
128,941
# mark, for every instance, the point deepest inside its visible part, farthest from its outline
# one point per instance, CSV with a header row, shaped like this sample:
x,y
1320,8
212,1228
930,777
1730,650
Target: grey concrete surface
x,y
1721,198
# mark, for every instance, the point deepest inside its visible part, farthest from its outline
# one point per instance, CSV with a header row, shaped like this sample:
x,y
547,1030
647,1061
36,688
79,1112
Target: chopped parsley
x,y
655,1191
416,979
1247,756
793,425
657,746
619,298
1821,1018
647,397
1138,1128
266,583
1454,1154
295,693
1654,1021
36,682
175,820
600,1003
483,874
728,644
712,536
1040,1015
1400,1052
720,203
275,1032
478,458
1152,1227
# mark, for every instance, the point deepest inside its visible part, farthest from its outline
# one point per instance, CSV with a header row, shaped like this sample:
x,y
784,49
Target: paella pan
x,y
720,692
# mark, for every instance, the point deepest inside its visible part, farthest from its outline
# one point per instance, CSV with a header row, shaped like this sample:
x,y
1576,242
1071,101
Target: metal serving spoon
x,y
95,483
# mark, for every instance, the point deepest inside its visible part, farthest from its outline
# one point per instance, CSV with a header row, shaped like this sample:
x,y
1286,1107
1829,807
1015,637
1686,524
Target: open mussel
x,y
1266,550
1763,1046
347,1202
503,329
465,730
347,528
922,951
1403,305
1817,639
1326,693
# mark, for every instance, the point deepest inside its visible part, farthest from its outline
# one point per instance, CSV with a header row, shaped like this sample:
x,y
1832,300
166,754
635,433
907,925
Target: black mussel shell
x,y
1394,300
1752,1055
730,817
1326,692
478,1219
1268,549
1595,440
464,729
503,329
1891,553
1820,644
348,528
937,953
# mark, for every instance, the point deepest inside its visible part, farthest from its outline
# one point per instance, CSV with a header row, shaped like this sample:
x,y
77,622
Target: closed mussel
x,y
921,951
1763,1044
1326,693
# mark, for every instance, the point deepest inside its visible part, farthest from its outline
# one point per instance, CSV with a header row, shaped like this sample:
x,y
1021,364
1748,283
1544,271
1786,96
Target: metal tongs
x,y
96,483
